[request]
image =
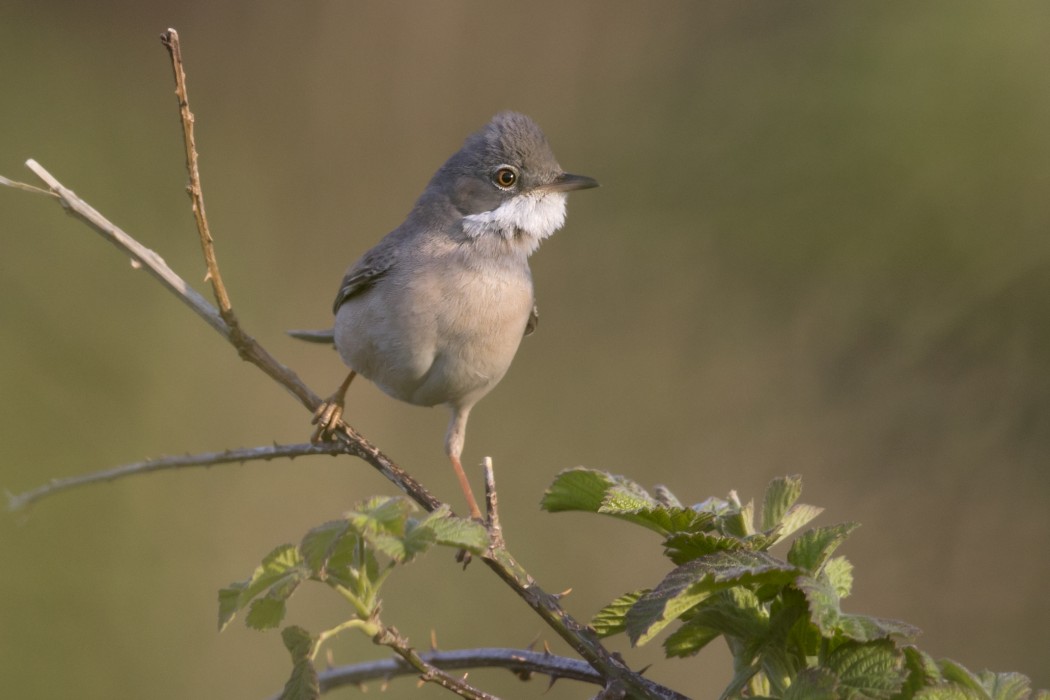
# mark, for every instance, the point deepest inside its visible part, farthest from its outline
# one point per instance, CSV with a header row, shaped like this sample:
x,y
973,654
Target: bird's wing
x,y
534,320
359,278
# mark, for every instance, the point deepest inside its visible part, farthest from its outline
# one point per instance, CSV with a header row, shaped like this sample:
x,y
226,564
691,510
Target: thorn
x,y
135,264
551,682
433,639
547,649
535,639
641,672
564,593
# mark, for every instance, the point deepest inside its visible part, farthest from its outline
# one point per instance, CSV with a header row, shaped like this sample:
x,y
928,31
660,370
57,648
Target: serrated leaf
x,y
381,514
577,489
303,684
948,691
838,573
813,684
452,531
688,640
265,613
693,582
735,613
739,521
685,547
797,517
813,548
280,566
664,497
955,672
320,543
610,619
593,491
625,496
827,615
1006,686
781,494
922,670
868,670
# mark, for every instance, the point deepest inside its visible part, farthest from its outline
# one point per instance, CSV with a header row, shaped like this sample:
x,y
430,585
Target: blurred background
x,y
820,247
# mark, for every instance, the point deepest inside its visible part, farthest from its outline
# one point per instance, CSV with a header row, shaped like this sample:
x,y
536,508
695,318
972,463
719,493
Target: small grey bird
x,y
434,313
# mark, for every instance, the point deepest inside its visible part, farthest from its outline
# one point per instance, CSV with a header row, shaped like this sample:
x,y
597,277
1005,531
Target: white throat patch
x,y
528,218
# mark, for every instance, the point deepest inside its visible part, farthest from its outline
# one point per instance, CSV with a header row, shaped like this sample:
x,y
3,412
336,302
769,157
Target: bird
x,y
434,313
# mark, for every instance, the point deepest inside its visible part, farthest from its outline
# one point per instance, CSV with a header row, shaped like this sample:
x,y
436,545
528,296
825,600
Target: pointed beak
x,y
567,183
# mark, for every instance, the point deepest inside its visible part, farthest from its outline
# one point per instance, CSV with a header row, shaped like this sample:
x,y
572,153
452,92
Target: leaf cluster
x,y
781,618
352,556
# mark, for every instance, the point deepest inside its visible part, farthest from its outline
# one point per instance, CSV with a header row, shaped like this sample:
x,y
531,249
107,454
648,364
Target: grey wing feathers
x,y
534,320
364,274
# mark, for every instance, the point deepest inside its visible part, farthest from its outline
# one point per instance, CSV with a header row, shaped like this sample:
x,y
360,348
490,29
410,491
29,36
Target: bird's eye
x,y
505,177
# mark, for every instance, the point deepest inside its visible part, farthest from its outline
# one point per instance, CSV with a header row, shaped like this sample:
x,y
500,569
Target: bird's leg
x,y
329,413
457,430
464,483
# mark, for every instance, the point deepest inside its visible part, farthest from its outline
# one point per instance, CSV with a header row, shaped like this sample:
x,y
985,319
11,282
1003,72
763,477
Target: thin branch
x,y
13,184
170,39
492,505
206,459
521,662
247,347
581,638
428,672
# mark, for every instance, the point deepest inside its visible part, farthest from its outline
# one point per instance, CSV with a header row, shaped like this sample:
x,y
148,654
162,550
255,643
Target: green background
x,y
820,247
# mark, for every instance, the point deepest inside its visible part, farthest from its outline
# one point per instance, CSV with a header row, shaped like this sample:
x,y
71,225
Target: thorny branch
x,y
580,637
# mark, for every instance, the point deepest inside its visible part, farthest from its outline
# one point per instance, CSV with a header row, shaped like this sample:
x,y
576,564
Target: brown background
x,y
820,247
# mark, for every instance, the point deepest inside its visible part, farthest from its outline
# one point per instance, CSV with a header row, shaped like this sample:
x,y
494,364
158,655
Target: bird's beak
x,y
567,183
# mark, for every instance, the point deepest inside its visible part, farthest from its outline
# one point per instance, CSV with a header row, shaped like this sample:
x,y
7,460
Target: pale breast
x,y
437,333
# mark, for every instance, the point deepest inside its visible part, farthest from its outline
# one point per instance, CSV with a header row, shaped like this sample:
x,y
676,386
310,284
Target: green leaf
x,y
320,543
948,691
922,671
838,573
695,581
735,613
593,491
1006,686
739,521
265,613
872,670
781,494
955,672
280,569
381,514
577,489
452,531
303,684
812,548
813,684
827,615
797,517
689,639
684,547
610,619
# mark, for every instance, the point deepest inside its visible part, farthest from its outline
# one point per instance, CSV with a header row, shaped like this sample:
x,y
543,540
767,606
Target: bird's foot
x,y
327,418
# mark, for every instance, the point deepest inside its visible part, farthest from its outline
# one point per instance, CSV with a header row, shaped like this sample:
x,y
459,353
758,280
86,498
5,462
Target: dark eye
x,y
505,177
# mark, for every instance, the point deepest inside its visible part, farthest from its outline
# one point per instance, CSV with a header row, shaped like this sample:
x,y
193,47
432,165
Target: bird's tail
x,y
326,336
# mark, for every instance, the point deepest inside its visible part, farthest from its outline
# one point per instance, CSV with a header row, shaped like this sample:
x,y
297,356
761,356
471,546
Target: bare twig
x,y
492,505
522,662
170,39
581,638
206,459
428,672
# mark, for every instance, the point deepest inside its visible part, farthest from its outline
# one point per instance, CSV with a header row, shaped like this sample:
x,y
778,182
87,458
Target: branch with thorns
x,y
609,669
